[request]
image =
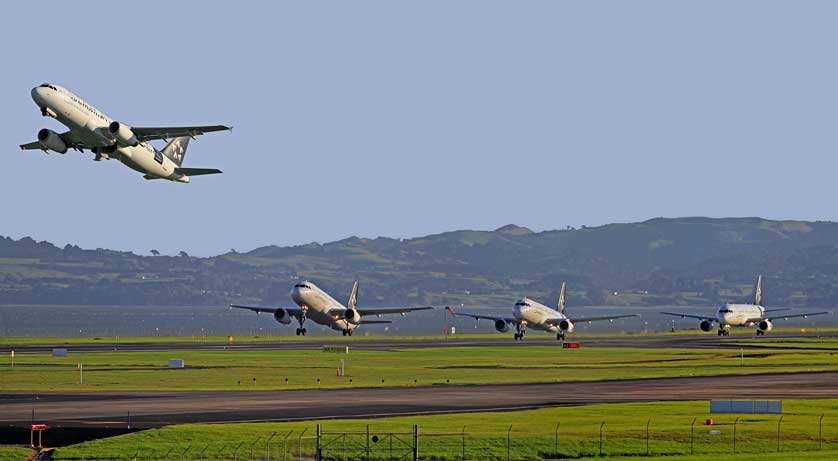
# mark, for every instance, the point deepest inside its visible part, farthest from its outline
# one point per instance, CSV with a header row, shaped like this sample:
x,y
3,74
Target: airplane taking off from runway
x,y
106,138
322,309
529,313
743,315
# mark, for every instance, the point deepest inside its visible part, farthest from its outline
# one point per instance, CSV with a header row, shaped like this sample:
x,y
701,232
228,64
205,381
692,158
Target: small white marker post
x,y
81,373
13,359
741,356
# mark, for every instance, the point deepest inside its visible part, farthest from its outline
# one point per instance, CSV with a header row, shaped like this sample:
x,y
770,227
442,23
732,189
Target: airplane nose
x,y
38,95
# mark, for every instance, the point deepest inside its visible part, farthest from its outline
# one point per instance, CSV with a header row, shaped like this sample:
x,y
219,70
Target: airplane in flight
x,y
91,129
527,313
315,304
743,315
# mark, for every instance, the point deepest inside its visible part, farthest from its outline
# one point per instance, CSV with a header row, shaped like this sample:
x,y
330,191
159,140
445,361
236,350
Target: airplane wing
x,y
150,134
398,310
684,316
591,319
197,171
295,311
509,320
777,310
69,139
786,317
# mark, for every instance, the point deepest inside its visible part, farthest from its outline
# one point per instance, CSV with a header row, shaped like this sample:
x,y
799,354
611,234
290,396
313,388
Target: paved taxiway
x,y
700,341
152,409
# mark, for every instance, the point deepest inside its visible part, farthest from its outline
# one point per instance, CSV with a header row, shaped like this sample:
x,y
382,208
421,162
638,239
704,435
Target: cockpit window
x,y
302,285
47,85
523,304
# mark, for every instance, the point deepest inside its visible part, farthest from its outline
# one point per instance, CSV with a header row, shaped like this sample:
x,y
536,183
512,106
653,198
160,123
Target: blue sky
x,y
407,118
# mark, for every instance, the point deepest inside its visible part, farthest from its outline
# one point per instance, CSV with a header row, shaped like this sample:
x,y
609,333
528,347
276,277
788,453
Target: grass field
x,y
236,370
14,453
531,435
57,340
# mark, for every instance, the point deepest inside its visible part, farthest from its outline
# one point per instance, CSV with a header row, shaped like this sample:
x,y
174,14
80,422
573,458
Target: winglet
x,y
449,309
352,302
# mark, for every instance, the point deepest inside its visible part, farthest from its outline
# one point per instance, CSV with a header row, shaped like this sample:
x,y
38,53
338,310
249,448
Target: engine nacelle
x,y
501,326
705,325
765,325
123,134
51,141
282,316
566,325
352,316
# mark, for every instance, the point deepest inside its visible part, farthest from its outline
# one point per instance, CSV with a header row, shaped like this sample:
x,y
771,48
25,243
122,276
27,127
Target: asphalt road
x,y
698,340
153,409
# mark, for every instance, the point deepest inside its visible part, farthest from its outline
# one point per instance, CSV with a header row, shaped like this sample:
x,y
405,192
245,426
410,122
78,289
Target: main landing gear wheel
x,y
301,331
347,332
559,336
760,333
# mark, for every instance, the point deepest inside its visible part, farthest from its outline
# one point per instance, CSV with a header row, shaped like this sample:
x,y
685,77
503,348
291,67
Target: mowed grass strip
x,y
532,435
263,370
14,453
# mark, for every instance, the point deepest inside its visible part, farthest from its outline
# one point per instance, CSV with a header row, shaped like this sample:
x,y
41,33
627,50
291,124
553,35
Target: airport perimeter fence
x,y
572,438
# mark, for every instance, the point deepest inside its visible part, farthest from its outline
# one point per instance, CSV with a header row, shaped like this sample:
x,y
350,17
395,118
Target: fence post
x,y
820,433
285,445
201,454
236,451
779,421
415,442
318,447
267,447
692,435
600,437
647,435
300,443
508,441
253,445
183,455
368,443
556,449
734,433
464,443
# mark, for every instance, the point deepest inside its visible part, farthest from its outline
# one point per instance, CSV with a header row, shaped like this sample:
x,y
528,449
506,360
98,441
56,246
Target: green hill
x,y
660,261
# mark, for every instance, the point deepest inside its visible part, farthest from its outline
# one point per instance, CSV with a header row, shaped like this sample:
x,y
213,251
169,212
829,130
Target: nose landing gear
x,y
302,331
519,336
560,336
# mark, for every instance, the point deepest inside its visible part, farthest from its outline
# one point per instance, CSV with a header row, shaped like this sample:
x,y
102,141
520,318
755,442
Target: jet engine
x,y
765,325
123,134
50,140
705,325
566,325
282,316
501,326
352,316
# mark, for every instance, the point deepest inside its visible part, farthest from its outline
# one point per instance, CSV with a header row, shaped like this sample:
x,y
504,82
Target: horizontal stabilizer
x,y
197,171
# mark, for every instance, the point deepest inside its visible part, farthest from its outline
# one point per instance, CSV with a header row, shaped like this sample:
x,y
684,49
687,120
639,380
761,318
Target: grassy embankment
x,y
532,435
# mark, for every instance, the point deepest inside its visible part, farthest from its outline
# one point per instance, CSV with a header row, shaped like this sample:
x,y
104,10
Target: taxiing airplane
x,y
93,130
317,305
530,314
743,315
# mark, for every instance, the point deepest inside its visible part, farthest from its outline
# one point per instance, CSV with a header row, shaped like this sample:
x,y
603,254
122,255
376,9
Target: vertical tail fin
x,y
352,303
758,291
562,296
176,149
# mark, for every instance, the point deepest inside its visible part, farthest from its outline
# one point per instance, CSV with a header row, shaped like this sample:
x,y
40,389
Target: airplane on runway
x,y
317,305
743,315
92,129
528,313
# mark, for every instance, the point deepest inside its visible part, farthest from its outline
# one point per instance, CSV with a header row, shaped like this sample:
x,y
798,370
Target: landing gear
x,y
760,333
559,336
519,336
724,332
347,332
44,112
301,331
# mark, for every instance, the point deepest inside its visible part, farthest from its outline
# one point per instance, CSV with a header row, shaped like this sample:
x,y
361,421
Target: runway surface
x,y
154,409
698,340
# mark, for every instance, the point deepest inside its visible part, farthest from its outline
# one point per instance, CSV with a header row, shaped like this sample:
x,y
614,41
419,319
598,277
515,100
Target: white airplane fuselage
x,y
320,307
739,315
534,315
91,126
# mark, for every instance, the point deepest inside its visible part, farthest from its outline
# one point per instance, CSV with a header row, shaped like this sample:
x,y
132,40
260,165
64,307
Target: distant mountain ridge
x,y
662,261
